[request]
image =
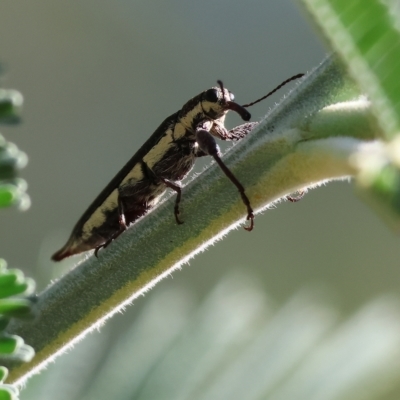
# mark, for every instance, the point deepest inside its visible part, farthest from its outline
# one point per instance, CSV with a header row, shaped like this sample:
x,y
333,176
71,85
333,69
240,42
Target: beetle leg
x,y
122,227
121,214
168,183
178,191
237,133
208,144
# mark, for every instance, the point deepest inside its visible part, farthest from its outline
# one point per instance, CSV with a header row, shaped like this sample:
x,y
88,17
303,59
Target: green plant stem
x,y
367,39
294,147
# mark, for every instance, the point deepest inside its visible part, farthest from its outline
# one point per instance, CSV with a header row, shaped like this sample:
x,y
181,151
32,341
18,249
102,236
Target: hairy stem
x,y
302,142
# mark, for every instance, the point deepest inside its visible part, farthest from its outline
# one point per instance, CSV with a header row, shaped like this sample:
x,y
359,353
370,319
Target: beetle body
x,y
161,163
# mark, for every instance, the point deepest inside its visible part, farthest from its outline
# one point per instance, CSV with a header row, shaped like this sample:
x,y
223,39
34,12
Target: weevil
x,y
161,163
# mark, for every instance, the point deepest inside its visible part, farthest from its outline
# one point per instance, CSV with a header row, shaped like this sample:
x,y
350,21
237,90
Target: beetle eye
x,y
211,95
232,96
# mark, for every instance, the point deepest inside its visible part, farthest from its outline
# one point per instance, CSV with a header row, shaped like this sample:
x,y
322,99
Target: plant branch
x,y
300,144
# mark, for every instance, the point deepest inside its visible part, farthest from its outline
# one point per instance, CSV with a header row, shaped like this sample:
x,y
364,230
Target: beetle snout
x,y
245,115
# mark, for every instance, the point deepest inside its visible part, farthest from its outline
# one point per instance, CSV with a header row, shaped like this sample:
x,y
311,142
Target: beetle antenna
x,y
273,91
221,85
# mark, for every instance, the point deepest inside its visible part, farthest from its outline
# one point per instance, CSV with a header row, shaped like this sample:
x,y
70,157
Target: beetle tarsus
x,y
176,212
108,241
178,191
250,217
295,199
96,250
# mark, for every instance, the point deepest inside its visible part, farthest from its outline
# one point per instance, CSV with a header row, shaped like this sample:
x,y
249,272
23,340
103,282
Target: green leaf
x,y
11,160
5,394
25,288
3,323
383,193
366,36
10,277
11,195
10,344
24,353
15,307
8,392
10,106
3,265
3,373
13,282
12,189
8,195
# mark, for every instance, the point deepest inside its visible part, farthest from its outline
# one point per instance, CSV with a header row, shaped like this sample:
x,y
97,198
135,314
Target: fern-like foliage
x,y
14,286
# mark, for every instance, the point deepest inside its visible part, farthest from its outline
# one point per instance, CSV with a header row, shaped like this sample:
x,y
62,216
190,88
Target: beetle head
x,y
218,100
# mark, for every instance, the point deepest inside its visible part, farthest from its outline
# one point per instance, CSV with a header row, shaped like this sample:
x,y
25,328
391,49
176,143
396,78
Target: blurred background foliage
x,y
98,77
14,286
